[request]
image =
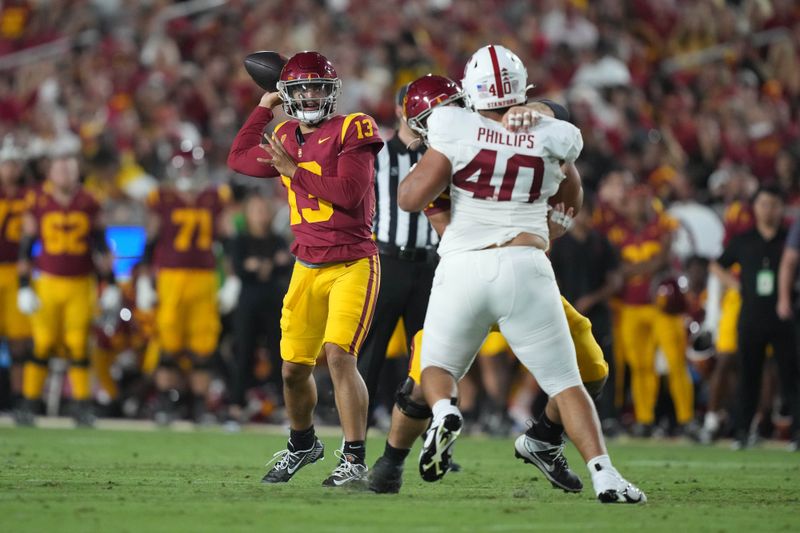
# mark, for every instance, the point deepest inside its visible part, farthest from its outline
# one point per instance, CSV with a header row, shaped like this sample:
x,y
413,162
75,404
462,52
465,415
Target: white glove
x,y
111,298
27,301
228,295
146,295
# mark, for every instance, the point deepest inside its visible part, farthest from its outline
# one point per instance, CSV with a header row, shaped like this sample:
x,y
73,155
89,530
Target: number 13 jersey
x,y
501,180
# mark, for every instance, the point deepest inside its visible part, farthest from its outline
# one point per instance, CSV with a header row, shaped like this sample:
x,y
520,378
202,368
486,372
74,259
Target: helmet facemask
x,y
187,171
310,100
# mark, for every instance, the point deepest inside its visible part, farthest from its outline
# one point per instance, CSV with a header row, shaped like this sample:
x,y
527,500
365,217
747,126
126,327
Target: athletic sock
x,y
711,421
546,430
355,449
301,439
599,464
395,455
443,408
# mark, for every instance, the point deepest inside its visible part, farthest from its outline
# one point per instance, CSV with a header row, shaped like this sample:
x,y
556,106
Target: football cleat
x,y
611,487
83,414
550,460
289,462
386,477
436,455
25,413
348,472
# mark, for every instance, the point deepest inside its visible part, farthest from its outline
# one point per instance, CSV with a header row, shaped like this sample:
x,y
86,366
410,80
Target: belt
x,y
405,253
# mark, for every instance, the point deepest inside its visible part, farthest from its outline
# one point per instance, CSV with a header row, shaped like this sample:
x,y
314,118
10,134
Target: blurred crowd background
x,y
697,101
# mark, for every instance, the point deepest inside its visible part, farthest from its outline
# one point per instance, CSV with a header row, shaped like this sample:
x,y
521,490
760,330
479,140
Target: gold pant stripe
x,y
373,286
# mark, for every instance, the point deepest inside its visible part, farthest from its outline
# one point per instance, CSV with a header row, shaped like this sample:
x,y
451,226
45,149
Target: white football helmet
x,y
494,78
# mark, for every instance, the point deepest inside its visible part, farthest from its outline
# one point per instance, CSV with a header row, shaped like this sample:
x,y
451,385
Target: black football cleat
x,y
83,414
289,462
386,477
550,460
25,413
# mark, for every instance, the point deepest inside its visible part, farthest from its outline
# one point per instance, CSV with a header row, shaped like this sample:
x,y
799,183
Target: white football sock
x,y
711,422
443,408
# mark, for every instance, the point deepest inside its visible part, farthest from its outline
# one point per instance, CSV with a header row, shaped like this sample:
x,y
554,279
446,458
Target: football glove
x,y
228,295
27,301
146,295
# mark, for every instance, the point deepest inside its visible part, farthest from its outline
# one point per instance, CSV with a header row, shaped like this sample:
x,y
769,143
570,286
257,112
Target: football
x,y
265,68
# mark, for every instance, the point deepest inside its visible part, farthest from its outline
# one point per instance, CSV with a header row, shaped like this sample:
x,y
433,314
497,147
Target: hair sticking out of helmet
x,y
423,95
494,78
309,87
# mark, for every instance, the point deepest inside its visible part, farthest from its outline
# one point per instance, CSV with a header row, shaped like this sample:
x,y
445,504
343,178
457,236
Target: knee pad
x,y
595,388
409,407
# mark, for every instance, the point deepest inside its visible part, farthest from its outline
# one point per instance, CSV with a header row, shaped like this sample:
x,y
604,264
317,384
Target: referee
x,y
758,252
407,247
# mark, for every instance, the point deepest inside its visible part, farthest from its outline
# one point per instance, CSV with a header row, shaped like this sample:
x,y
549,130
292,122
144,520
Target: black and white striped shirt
x,y
392,225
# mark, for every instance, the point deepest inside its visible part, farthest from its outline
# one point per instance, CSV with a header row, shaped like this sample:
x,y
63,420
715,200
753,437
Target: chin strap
x,y
414,144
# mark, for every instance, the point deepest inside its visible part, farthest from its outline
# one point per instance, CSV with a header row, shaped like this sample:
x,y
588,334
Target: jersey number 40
x,y
485,161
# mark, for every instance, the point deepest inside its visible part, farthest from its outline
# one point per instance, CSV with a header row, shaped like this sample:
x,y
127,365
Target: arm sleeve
x,y
793,240
559,111
354,175
730,255
245,150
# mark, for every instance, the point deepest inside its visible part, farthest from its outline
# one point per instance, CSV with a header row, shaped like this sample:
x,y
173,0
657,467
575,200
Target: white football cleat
x,y
611,487
435,458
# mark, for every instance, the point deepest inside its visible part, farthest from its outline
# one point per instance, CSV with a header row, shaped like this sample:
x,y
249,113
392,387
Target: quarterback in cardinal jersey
x,y
326,162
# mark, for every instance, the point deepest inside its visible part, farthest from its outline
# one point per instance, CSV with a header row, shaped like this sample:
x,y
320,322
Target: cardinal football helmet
x,y
495,78
187,170
423,95
309,87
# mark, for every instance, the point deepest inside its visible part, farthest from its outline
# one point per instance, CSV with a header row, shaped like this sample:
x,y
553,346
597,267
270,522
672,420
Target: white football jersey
x,y
501,180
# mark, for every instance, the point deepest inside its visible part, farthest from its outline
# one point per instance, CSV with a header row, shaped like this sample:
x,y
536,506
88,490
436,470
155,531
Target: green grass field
x,y
107,480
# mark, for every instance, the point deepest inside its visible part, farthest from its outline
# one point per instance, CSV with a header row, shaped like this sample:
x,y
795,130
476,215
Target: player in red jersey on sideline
x,y
326,162
15,327
61,300
186,217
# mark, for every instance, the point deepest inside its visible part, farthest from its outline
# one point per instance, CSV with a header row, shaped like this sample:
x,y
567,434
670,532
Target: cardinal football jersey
x,y
65,232
11,208
187,229
501,180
